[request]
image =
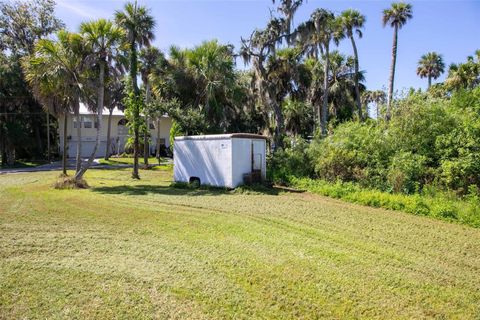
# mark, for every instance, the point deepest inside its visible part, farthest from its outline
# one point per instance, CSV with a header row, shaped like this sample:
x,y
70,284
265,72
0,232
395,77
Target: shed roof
x,y
222,136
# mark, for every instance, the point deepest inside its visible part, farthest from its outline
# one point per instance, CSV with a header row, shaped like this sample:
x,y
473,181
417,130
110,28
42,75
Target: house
x,y
118,132
221,160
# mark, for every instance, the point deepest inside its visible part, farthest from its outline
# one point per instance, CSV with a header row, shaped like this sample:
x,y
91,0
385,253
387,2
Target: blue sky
x,y
449,27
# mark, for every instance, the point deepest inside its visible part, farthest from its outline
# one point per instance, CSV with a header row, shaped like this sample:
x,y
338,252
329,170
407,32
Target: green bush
x,y
428,141
293,161
440,206
407,172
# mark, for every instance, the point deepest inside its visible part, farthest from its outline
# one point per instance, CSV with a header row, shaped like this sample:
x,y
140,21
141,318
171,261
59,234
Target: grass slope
x,y
140,249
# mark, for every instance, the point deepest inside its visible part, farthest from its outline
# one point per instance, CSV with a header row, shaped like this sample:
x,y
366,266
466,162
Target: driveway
x,y
57,165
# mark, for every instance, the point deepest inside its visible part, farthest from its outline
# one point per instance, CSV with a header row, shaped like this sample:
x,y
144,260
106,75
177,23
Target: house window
x,y
87,122
75,123
96,124
152,126
122,127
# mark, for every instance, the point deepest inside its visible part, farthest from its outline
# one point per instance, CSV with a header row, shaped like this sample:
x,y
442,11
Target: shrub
x,y
293,161
440,206
407,172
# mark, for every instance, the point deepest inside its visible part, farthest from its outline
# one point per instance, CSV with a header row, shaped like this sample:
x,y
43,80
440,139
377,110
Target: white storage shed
x,y
222,160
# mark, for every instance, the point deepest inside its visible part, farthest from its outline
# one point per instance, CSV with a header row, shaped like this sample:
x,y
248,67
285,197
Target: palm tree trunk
x,y
135,111
146,147
324,113
64,153
357,87
392,73
78,162
109,129
100,98
48,136
429,82
158,141
2,142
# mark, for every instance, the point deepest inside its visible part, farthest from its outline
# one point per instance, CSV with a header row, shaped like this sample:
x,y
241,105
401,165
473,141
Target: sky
x,y
451,28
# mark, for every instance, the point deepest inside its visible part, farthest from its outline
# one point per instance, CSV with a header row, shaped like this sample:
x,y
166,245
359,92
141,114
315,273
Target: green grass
x,y
439,205
142,249
128,160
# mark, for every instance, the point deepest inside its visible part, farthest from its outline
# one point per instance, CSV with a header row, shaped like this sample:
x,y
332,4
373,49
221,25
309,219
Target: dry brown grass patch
x,y
66,182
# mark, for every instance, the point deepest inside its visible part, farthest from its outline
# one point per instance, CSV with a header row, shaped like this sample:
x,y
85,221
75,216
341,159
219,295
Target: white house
x,y
222,160
118,132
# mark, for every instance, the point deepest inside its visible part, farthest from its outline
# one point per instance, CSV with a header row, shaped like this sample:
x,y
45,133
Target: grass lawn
x,y
128,160
141,249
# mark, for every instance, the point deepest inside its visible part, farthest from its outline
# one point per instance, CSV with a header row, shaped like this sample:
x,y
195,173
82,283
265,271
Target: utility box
x,y
223,160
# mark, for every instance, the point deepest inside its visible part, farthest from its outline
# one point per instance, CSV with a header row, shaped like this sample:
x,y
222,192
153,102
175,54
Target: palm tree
x,y
396,16
464,75
113,99
430,66
139,25
48,90
56,69
326,28
352,21
148,62
342,90
102,39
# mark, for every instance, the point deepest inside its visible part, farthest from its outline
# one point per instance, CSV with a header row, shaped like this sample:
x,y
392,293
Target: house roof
x,y
116,112
222,136
84,110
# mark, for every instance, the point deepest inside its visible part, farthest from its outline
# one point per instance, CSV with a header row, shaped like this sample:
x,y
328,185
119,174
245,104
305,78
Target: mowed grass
x,y
129,160
141,249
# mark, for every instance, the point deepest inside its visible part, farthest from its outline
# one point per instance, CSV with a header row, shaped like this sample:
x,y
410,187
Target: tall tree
x,y
261,51
396,16
352,22
22,24
148,62
51,91
114,96
103,42
464,75
59,64
430,66
316,35
139,25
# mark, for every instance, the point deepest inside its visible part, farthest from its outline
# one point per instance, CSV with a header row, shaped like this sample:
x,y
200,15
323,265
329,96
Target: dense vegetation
x,y
429,147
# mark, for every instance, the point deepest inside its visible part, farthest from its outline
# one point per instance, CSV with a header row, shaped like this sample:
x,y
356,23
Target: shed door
x,y
258,154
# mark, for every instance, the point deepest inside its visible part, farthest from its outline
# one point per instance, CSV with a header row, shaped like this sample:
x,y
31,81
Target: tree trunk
x,y
429,82
392,73
100,98
357,86
109,128
64,153
146,147
135,111
78,162
324,113
48,136
37,124
279,125
2,142
158,141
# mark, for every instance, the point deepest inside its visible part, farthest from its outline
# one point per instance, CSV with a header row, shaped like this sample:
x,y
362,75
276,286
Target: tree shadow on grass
x,y
182,191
